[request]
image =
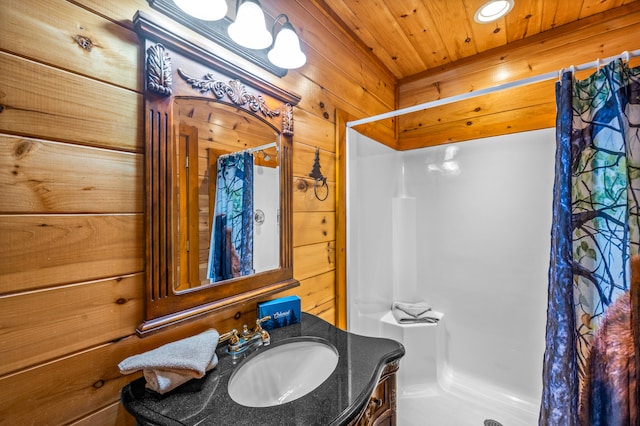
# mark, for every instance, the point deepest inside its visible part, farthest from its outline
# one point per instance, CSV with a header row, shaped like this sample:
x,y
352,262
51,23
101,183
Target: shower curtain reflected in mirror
x,y
591,357
231,248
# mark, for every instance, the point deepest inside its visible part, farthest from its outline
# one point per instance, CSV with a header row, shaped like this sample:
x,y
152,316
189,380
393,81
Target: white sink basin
x,y
283,373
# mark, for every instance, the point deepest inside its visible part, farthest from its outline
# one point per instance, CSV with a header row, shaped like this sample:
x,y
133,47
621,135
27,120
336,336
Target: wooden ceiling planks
x,y
391,45
416,22
524,20
453,27
593,7
410,36
556,13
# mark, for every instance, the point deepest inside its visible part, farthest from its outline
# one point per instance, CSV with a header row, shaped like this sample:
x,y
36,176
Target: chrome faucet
x,y
240,342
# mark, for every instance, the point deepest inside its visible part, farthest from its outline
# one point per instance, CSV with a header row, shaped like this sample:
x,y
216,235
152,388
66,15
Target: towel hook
x,y
626,56
598,64
316,174
324,185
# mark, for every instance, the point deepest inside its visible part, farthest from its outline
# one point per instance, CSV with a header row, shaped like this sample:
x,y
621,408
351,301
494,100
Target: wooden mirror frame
x,y
176,66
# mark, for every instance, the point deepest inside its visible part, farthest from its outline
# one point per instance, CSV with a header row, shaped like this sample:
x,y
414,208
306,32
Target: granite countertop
x,y
336,401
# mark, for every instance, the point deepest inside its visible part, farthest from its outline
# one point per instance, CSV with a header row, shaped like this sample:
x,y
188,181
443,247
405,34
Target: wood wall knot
x,y
302,185
23,148
84,42
330,253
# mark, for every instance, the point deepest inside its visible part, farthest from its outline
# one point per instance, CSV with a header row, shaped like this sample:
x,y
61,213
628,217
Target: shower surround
x,y
464,227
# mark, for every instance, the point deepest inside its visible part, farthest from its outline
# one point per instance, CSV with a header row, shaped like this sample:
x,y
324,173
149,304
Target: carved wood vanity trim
x,y
381,408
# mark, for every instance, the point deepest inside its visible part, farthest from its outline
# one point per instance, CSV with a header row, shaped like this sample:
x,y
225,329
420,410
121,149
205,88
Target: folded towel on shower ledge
x,y
420,312
168,366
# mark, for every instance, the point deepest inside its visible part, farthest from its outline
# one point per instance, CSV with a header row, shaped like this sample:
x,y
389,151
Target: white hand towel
x,y
414,312
175,363
427,317
411,309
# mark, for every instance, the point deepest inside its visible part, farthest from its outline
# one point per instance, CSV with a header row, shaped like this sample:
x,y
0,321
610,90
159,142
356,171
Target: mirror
x,y
218,180
227,167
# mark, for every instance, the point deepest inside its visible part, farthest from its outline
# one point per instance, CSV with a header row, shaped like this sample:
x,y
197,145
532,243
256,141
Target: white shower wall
x,y
481,247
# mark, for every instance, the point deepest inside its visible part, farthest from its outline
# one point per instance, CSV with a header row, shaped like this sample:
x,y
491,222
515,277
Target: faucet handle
x,y
232,336
245,330
260,321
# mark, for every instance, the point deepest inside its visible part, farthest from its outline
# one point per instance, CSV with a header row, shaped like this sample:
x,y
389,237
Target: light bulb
x,y
286,52
206,10
249,29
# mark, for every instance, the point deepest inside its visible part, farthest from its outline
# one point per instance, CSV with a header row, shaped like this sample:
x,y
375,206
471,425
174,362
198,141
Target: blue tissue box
x,y
283,311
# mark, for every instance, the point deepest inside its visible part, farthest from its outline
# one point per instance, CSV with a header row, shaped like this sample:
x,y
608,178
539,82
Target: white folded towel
x,y
419,312
175,363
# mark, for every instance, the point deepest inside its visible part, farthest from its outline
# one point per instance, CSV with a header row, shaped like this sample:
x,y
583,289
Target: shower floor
x,y
435,406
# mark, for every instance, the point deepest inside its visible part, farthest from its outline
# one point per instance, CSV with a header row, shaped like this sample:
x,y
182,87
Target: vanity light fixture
x,y
247,35
249,29
286,52
493,10
206,10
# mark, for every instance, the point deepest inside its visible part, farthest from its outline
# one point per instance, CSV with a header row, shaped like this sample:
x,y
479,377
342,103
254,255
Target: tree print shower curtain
x,y
231,247
591,356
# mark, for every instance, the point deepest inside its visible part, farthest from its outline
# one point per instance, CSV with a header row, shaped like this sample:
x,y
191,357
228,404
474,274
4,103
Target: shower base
x,y
432,405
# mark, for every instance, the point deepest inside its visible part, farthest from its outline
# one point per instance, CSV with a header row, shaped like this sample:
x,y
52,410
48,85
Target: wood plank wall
x,y
71,195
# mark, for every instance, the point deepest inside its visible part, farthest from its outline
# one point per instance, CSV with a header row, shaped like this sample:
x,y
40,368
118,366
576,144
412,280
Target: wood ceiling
x,y
436,50
411,36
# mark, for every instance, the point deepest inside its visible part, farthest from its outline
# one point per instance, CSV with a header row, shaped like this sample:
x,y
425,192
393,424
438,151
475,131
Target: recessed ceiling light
x,y
492,10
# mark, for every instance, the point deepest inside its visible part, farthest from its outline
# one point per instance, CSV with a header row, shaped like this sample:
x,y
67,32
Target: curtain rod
x,y
251,150
258,148
523,82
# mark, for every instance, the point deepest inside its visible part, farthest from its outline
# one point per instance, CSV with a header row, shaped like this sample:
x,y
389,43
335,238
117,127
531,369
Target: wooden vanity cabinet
x,y
381,408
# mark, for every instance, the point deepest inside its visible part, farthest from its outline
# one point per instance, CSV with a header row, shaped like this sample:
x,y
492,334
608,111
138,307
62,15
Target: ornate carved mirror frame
x,y
177,67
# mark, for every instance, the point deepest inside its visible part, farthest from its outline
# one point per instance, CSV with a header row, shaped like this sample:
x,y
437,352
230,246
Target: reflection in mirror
x,y
227,164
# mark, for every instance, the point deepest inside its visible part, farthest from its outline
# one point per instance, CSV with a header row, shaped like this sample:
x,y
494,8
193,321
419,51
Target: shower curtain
x,y
591,356
231,248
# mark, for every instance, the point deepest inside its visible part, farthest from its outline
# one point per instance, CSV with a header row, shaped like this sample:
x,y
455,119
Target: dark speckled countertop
x,y
336,401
